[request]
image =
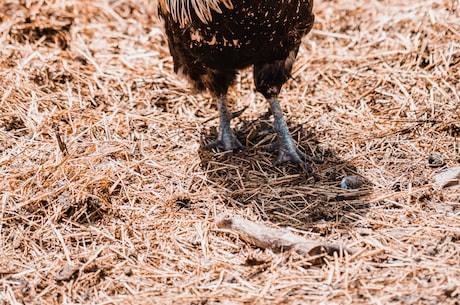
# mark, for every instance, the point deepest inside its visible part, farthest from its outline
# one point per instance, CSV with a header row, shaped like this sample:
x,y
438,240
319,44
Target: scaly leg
x,y
226,139
287,150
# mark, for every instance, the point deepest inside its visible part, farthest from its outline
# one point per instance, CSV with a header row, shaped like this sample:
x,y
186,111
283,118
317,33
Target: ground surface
x,y
106,197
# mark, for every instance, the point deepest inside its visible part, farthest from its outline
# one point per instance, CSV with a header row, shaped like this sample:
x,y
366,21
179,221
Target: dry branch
x,y
447,177
278,240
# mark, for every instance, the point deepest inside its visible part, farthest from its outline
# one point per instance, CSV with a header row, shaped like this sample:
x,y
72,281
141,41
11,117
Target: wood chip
x,y
447,178
277,240
67,273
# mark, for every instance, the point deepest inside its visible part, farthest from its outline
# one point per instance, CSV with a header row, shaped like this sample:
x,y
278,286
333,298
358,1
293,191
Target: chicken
x,y
210,40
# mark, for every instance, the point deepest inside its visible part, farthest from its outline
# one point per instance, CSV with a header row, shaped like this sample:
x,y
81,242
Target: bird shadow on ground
x,y
286,194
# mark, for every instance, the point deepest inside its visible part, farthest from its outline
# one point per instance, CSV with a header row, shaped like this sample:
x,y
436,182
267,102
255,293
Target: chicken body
x,y
210,40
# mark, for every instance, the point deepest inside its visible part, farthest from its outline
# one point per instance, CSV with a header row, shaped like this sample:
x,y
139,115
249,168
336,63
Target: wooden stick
x,y
278,240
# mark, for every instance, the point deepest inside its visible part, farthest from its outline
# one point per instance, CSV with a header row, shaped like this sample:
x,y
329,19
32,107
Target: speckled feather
x,y
211,39
182,11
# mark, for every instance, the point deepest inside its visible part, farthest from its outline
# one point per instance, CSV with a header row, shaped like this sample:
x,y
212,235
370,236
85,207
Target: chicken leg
x,y
226,139
287,149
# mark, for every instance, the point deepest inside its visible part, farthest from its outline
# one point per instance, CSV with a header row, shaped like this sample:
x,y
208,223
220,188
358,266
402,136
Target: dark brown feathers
x,y
211,39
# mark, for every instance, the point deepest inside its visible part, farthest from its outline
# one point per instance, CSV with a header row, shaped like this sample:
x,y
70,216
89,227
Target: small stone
x,y
435,160
351,182
67,273
450,289
128,271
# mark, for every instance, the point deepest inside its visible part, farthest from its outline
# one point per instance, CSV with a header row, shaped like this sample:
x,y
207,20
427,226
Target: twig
x,y
278,240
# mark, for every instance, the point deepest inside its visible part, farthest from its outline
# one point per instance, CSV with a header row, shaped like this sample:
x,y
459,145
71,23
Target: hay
x,y
107,198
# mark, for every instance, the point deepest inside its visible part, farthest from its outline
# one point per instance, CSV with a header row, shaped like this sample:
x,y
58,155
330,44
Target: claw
x,y
287,150
296,155
226,139
236,114
225,146
286,155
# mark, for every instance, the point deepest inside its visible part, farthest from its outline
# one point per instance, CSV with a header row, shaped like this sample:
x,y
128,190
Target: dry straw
x,y
106,197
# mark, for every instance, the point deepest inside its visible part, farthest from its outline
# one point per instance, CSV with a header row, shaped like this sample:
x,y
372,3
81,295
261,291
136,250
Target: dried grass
x,y
107,198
